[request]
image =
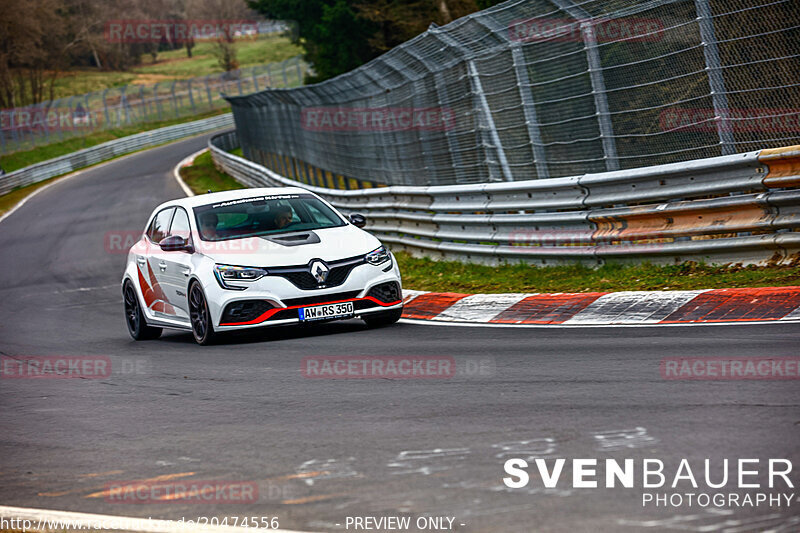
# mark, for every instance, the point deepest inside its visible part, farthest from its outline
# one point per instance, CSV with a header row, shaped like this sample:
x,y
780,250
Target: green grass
x,y
17,160
453,276
174,64
203,176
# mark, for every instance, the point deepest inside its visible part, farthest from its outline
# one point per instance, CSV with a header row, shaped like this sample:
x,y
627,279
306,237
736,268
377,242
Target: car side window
x,y
160,225
180,224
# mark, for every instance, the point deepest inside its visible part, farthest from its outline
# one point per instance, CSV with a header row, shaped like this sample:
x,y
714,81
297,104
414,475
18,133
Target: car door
x,y
153,266
178,267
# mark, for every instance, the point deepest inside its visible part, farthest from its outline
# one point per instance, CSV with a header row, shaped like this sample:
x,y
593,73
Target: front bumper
x,y
275,301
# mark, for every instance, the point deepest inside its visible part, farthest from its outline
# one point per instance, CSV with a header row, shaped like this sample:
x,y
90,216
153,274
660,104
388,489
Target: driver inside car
x,y
283,216
208,226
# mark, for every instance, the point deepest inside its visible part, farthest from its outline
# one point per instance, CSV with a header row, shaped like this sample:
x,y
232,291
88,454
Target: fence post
x,y
599,92
158,101
716,81
299,70
2,131
174,99
142,104
124,103
529,109
105,108
477,88
208,93
191,97
285,77
255,78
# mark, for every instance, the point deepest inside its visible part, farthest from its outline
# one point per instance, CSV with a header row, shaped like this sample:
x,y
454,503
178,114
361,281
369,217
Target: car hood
x,y
328,244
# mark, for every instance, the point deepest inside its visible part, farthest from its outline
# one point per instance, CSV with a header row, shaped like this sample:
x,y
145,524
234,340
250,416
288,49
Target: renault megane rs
x,y
253,258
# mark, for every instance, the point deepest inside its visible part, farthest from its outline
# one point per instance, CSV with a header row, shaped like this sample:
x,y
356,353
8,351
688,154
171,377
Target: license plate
x,y
321,312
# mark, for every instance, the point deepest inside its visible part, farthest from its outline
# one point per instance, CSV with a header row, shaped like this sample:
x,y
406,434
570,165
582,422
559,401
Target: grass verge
x,y
452,276
203,176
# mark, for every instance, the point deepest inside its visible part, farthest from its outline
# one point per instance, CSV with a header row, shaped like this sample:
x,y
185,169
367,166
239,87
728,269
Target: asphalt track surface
x,y
321,450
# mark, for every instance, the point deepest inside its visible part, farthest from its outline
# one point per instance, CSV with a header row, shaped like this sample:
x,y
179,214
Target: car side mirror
x,y
175,243
358,220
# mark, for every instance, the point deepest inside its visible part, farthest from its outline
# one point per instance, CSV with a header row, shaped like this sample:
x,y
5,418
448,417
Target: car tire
x,y
377,320
134,316
202,328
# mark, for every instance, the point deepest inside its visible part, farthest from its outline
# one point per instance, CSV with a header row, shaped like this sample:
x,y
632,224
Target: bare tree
x,y
32,51
224,11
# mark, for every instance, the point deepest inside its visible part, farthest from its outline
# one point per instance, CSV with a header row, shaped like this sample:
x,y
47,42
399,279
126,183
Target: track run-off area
x,y
322,450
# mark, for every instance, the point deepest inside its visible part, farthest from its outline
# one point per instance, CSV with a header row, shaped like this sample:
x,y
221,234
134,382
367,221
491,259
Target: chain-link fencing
x,y
534,89
80,115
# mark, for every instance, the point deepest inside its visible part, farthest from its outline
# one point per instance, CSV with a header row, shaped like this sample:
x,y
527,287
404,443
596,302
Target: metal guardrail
x,y
740,208
108,150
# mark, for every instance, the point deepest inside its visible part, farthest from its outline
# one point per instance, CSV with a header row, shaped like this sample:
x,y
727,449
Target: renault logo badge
x,y
319,271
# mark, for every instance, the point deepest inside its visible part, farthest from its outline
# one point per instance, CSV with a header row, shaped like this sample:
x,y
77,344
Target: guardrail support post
x,y
715,79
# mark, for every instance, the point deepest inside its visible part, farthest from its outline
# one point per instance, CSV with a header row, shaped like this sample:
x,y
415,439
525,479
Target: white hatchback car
x,y
256,257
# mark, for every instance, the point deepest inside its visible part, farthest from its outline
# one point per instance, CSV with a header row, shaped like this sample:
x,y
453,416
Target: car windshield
x,y
264,215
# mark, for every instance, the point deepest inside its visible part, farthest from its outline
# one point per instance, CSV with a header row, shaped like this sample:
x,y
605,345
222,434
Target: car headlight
x,y
225,273
378,256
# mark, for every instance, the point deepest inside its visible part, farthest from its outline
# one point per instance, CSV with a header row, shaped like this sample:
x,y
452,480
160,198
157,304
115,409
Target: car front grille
x,y
301,277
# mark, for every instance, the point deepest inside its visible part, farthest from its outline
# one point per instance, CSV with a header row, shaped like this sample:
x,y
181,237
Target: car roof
x,y
225,196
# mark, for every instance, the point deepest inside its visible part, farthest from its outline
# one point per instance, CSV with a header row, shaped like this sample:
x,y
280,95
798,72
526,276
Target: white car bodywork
x,y
162,279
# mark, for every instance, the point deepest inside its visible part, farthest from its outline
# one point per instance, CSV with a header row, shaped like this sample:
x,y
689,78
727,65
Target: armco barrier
x,y
108,150
732,209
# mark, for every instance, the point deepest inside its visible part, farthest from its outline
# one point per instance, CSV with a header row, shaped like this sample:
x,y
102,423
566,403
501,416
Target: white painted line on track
x,y
435,322
85,521
176,172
